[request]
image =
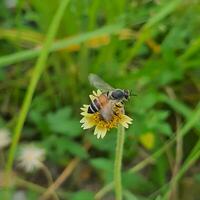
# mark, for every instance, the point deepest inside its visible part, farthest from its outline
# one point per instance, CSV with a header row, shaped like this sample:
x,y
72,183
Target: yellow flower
x,y
96,120
147,140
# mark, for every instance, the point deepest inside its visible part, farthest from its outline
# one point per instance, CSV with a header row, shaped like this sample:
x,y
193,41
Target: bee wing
x,y
98,83
107,111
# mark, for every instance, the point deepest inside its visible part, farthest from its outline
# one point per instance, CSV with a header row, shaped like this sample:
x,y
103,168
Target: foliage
x,y
149,47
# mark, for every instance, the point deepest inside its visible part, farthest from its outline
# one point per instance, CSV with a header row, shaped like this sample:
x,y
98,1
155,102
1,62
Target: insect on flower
x,y
106,109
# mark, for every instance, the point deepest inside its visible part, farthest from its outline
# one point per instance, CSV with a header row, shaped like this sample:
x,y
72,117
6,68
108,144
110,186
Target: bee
x,y
108,99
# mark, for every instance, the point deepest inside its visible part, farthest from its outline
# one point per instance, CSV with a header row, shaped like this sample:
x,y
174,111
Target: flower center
x,y
116,118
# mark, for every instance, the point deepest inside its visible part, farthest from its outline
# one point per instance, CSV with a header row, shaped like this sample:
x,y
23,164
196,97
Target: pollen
x,y
109,124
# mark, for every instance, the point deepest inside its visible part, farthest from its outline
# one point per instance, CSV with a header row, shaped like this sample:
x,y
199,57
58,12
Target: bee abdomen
x,y
94,106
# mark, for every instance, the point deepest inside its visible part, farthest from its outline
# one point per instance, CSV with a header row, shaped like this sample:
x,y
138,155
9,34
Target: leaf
x,y
60,145
197,177
31,195
107,144
61,122
156,121
39,107
158,197
102,164
76,149
164,128
105,166
83,195
56,149
133,181
149,100
129,196
41,104
2,75
40,121
159,173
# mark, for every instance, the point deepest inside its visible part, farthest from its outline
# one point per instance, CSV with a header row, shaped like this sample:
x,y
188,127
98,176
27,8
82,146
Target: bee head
x,y
126,94
119,94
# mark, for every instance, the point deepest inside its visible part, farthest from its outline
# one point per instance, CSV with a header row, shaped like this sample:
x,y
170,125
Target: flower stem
x,y
63,176
48,175
118,162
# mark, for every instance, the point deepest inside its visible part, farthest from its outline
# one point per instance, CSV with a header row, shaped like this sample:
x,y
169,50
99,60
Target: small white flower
x,y
10,3
31,158
4,138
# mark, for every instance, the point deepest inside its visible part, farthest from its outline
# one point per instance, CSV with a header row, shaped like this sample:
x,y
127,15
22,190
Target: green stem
x,y
118,162
39,68
49,177
191,159
99,195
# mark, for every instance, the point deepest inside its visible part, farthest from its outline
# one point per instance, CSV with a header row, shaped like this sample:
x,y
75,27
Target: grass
x,y
183,131
59,45
48,48
39,68
118,163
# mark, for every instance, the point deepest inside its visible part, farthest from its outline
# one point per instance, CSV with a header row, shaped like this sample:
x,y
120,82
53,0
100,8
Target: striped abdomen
x,y
97,103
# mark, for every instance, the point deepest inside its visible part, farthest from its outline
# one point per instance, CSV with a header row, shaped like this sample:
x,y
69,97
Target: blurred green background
x,y
150,47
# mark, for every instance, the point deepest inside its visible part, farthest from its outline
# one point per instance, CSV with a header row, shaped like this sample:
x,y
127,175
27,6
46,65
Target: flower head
x,y
101,125
31,158
4,138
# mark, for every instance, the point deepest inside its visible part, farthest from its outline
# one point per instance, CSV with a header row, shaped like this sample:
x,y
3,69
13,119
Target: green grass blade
x,y
191,159
146,30
39,67
64,43
164,12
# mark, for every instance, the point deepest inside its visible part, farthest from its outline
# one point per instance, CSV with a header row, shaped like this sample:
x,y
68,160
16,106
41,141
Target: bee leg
x,y
117,105
120,107
115,113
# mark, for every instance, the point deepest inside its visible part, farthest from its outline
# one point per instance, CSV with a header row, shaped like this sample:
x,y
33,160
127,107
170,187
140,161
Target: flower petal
x,y
124,124
125,120
92,97
83,120
84,108
85,114
94,93
100,131
88,122
99,92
